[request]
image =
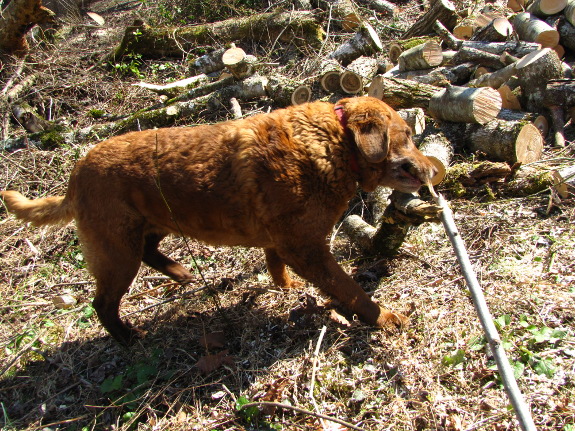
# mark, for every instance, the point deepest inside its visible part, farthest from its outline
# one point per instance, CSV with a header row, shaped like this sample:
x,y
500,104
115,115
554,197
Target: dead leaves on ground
x,y
213,361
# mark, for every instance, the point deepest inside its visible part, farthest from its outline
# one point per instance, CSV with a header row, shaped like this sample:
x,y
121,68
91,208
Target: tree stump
x,y
359,72
364,42
507,141
441,10
533,73
465,105
424,56
532,29
239,63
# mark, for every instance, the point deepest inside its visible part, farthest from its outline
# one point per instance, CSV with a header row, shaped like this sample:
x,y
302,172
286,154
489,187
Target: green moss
x,y
96,113
50,139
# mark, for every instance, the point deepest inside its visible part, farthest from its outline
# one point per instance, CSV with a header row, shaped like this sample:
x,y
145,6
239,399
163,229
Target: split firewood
x,y
439,150
516,48
345,13
397,47
415,119
516,5
510,93
423,56
532,29
210,62
533,73
441,10
357,74
467,27
465,105
446,36
507,141
402,93
498,30
177,87
238,63
467,54
381,6
329,72
16,20
289,27
364,42
545,8
495,79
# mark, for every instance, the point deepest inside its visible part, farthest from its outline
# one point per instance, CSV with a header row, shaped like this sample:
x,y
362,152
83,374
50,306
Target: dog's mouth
x,y
410,175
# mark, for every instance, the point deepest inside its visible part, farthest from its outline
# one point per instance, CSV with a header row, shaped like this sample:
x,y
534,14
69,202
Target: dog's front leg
x,y
316,264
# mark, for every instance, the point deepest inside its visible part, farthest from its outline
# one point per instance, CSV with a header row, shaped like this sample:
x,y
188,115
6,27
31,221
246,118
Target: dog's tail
x,y
50,210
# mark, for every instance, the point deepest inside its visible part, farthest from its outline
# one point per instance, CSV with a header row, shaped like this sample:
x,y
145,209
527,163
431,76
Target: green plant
x,y
130,65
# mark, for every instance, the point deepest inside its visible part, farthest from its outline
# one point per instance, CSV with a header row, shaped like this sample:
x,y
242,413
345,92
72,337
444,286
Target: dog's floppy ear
x,y
371,137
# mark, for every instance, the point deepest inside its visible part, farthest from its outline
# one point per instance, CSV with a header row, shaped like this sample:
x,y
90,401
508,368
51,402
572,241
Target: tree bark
x,y
402,93
467,54
495,79
498,30
507,141
16,20
356,76
178,87
466,105
288,27
364,42
424,56
518,49
532,29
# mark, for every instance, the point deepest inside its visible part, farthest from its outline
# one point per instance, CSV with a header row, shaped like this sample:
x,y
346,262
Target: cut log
x,y
498,30
507,141
561,92
565,181
518,49
441,10
510,94
507,59
285,91
545,8
446,36
424,56
516,5
532,29
210,62
356,76
364,42
467,54
558,125
239,64
345,14
495,79
415,119
397,47
442,76
565,29
439,151
469,25
329,73
177,87
569,12
402,93
533,73
538,121
382,6
299,27
16,20
465,105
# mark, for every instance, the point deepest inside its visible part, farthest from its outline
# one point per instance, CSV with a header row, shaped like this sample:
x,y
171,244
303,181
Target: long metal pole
x,y
513,392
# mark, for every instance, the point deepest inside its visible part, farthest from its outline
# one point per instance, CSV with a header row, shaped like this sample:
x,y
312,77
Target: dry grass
x,y
60,370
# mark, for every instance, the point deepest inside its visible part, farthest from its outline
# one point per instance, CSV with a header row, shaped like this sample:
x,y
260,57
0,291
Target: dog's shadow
x,y
99,383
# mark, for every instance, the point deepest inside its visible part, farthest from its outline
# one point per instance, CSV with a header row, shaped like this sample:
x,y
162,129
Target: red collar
x,y
340,113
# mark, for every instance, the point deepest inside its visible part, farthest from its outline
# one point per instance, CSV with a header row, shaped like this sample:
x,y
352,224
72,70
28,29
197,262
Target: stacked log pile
x,y
485,84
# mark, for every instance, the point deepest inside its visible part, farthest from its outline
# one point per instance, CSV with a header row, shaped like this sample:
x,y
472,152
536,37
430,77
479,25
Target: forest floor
x,y
210,350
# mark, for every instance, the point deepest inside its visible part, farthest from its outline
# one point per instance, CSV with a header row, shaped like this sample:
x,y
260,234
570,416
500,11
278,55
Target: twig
x,y
303,411
172,299
20,353
314,369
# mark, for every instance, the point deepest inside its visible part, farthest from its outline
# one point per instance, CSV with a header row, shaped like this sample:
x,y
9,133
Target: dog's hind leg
x,y
162,263
114,256
278,270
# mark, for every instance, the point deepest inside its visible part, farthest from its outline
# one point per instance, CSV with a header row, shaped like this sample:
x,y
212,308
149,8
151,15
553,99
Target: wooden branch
x,y
299,27
423,56
518,49
558,125
440,10
446,36
364,42
508,141
210,62
466,105
495,79
16,20
467,54
402,93
532,29
381,6
174,88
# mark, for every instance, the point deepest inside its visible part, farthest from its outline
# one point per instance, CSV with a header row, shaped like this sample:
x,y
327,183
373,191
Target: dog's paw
x,y
393,321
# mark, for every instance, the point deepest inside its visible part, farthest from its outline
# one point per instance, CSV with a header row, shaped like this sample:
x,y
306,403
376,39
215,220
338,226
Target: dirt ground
x,y
231,337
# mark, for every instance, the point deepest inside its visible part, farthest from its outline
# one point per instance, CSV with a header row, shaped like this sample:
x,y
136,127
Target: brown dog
x,y
278,181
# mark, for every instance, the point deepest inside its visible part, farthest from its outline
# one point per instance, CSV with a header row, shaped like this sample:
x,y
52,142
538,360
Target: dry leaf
x,y
274,394
210,363
64,301
96,17
213,340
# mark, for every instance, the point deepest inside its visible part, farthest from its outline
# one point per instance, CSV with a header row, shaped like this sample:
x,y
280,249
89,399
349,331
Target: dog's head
x,y
387,154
